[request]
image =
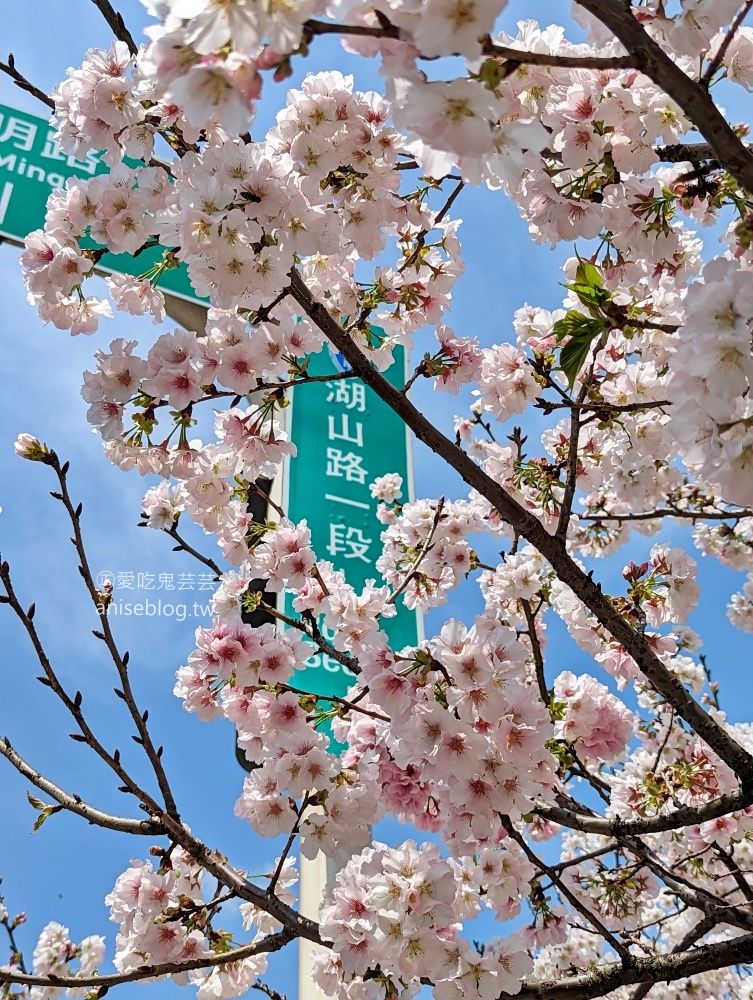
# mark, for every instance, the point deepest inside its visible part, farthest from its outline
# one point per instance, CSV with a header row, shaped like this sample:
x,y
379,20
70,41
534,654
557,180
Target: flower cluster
x,y
398,904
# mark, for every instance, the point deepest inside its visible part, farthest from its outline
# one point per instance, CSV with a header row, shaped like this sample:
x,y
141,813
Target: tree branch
x,y
121,662
20,81
692,98
521,56
685,816
649,515
117,24
567,570
72,803
422,553
273,942
538,658
699,931
490,48
313,633
718,59
658,968
183,546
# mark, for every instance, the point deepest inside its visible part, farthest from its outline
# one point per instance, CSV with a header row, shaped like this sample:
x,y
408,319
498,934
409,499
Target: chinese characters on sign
x,y
119,590
142,580
346,437
32,165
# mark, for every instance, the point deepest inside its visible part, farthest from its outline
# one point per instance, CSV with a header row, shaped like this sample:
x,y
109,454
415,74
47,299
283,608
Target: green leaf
x,y
593,297
582,331
588,285
44,815
575,324
573,356
588,274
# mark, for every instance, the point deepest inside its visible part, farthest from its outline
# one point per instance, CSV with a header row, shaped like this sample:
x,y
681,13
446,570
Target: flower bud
x,y
27,446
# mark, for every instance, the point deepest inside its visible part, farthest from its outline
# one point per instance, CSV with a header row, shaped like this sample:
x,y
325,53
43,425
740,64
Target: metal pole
x,y
314,876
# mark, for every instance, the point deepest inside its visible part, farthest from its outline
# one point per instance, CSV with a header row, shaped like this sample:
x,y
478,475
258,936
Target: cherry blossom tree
x,y
338,222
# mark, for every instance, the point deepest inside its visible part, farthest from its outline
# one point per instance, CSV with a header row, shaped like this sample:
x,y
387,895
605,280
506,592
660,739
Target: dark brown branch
x,y
603,407
17,956
183,546
603,979
72,704
733,868
699,931
422,553
351,706
272,994
271,387
690,152
521,56
677,818
273,942
20,81
421,237
213,861
313,633
567,570
117,24
121,662
490,48
571,480
538,658
564,891
72,803
294,923
718,59
691,97
694,515
313,27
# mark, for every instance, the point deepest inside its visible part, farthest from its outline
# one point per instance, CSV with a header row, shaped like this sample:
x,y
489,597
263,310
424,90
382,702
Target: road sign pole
x,y
314,876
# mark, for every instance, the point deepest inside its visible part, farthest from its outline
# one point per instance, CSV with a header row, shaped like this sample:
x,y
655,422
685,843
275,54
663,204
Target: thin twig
x,y
350,705
73,705
271,387
121,662
563,889
288,844
572,462
273,942
272,994
17,956
701,929
490,48
72,803
24,84
326,647
718,59
422,553
664,742
585,588
117,24
183,546
649,515
538,658
522,57
255,488
421,237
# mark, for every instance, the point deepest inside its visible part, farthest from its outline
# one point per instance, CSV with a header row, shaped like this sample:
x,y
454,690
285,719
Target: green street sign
x,y
32,165
346,436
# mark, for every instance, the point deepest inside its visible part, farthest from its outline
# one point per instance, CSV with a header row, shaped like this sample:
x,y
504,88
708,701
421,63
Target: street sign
x,y
32,165
346,436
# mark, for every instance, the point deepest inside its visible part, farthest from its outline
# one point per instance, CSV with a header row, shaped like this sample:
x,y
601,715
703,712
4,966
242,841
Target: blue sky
x,y
64,871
